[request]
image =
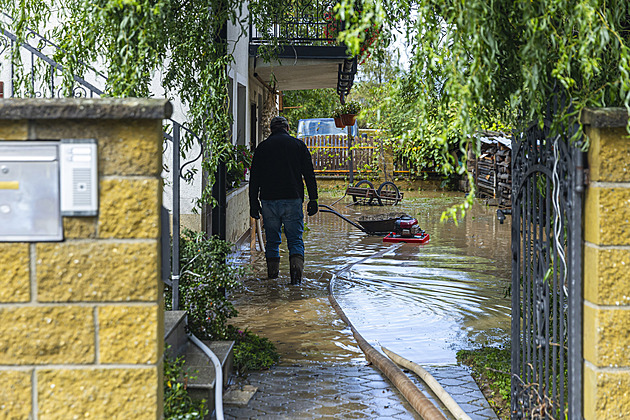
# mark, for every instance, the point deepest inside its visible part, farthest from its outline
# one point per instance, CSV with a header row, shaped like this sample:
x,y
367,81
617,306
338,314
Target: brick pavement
x,y
347,391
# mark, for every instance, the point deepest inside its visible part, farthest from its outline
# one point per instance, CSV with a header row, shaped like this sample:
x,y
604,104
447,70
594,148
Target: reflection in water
x,y
423,302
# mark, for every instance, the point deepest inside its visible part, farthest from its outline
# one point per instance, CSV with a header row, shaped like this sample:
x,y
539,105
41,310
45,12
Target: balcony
x,y
303,36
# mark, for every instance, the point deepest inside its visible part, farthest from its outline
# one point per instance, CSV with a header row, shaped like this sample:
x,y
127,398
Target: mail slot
x,y
29,192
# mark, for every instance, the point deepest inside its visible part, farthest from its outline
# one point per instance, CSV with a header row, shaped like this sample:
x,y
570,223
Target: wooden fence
x,y
331,155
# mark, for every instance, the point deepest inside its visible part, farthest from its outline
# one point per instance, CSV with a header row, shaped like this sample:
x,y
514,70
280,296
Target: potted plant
x,y
349,112
337,116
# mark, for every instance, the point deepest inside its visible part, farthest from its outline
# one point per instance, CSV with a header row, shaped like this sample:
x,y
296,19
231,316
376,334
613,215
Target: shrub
x,y
177,403
206,278
252,352
237,167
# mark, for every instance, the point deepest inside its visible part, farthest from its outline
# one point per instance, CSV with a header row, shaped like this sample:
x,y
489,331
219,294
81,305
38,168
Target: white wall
x,y
238,71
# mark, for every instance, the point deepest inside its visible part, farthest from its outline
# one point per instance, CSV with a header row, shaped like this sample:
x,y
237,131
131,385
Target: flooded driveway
x,y
423,302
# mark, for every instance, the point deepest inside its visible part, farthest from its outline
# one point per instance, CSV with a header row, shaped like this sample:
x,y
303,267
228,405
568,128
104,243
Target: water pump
x,y
406,227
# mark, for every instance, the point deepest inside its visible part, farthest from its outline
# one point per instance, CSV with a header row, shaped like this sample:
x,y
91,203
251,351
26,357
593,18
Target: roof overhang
x,y
300,67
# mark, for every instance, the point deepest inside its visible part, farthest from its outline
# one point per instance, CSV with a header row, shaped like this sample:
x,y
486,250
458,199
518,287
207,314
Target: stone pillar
x,y
81,320
607,266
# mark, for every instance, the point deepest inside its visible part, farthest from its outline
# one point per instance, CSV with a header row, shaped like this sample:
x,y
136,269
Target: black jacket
x,y
278,166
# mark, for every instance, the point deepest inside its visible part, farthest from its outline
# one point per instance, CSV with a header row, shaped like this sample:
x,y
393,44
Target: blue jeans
x,y
289,213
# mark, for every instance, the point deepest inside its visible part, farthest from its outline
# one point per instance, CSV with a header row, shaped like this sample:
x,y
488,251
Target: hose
x,y
437,389
407,388
218,373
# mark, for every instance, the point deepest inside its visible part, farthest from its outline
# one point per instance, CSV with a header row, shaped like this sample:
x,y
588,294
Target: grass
x,y
491,370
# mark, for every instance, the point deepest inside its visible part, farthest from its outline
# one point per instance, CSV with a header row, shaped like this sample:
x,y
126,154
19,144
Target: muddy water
x,y
424,302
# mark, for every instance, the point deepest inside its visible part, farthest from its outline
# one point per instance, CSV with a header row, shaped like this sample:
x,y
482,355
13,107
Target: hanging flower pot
x,y
348,119
349,112
338,122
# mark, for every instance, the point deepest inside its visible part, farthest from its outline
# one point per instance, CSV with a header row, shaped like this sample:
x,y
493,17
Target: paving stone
x,y
301,394
348,392
241,413
355,415
379,385
304,405
305,416
457,391
328,391
452,382
354,397
326,411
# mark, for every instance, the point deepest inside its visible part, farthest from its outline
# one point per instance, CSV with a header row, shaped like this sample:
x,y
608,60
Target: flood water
x,y
423,302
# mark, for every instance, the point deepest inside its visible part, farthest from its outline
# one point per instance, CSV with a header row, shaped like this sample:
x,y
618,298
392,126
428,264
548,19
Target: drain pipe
x,y
218,375
410,391
437,389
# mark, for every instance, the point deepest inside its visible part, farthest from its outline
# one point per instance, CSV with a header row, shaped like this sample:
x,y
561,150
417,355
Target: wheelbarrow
x,y
372,225
363,192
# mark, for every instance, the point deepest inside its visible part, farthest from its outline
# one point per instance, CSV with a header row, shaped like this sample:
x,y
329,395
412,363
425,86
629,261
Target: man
x,y
279,164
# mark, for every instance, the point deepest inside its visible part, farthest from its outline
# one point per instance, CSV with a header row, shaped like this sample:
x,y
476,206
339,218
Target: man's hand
x,y
254,209
311,207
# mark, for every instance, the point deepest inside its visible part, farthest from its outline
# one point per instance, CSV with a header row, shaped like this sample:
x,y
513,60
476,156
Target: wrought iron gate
x,y
547,187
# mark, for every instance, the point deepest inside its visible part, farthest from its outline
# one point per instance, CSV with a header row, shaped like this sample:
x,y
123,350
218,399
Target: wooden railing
x,y
331,155
370,158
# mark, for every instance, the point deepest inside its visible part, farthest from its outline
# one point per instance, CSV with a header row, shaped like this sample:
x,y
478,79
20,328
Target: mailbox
x,y
41,181
29,192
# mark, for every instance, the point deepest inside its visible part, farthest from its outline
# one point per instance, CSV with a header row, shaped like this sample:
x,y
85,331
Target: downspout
x,y
219,189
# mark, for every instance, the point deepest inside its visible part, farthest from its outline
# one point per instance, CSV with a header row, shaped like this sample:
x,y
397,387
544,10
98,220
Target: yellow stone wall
x,y
81,321
607,267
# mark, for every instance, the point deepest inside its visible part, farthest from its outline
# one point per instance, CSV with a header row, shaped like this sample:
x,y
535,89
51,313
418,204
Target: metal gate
x,y
547,189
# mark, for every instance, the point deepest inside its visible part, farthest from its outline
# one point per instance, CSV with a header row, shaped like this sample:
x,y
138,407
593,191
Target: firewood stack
x,y
492,170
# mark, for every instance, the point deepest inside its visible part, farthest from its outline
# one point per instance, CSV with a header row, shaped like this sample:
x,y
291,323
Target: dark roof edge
x,y
84,108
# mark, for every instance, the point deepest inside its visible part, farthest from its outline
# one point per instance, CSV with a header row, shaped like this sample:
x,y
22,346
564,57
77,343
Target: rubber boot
x,y
296,266
273,267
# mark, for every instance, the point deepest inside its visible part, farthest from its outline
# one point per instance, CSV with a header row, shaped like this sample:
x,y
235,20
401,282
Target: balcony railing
x,y
299,22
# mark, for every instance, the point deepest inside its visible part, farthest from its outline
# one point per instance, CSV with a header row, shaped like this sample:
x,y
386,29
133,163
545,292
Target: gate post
x,y
82,314
607,266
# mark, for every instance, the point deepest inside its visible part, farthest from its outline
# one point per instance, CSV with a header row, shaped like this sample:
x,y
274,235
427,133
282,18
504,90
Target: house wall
x,y
81,320
607,266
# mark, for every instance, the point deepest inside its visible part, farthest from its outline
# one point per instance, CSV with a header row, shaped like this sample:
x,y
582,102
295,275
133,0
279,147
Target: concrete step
x,y
200,366
196,362
175,336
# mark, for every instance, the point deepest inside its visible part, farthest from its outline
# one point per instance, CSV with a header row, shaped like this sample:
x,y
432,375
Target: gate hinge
x,y
586,177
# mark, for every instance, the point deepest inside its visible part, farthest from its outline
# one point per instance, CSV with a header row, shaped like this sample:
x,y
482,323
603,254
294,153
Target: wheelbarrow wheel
x,y
369,193
388,194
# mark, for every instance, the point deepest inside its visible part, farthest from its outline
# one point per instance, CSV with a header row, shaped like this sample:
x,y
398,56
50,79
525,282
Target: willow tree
x,y
131,39
485,61
478,61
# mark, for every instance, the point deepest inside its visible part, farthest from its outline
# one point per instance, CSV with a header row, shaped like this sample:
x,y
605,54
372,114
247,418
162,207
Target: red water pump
x,y
406,227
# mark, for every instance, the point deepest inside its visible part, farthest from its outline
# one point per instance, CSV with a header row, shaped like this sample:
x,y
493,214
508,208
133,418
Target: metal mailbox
x,y
29,192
